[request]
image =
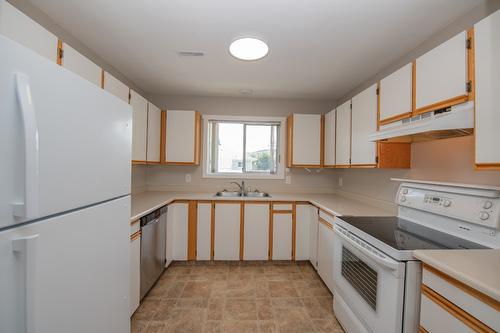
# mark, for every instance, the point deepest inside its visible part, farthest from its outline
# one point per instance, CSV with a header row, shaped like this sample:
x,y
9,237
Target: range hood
x,y
454,121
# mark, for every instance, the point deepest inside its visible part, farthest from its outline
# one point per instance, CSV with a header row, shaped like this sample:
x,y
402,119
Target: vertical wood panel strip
x,y
471,63
102,78
192,229
242,229
414,86
294,229
212,231
322,141
270,231
163,136
59,52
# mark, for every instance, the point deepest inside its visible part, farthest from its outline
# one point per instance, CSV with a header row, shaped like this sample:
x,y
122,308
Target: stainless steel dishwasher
x,y
153,248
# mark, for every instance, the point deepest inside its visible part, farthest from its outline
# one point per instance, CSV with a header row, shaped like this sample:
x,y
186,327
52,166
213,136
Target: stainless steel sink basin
x,y
257,194
228,194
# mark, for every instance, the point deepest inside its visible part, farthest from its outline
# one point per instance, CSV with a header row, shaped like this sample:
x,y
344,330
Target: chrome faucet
x,y
241,186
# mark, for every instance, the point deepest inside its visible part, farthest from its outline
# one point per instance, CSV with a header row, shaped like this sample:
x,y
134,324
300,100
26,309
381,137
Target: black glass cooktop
x,y
405,235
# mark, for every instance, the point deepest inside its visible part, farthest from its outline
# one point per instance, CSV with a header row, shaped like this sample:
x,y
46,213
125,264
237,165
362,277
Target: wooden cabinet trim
x,y
487,166
212,231
270,231
361,166
60,52
443,104
395,118
163,136
455,311
135,235
414,86
289,141
294,230
471,64
422,330
322,141
192,230
242,229
465,288
326,223
139,162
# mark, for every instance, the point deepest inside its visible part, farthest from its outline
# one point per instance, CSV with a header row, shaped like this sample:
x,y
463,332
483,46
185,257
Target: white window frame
x,y
280,169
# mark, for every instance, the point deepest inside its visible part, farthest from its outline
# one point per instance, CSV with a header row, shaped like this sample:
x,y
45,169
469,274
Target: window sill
x,y
243,176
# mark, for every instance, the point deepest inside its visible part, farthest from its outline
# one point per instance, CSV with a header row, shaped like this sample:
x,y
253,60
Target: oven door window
x,y
360,276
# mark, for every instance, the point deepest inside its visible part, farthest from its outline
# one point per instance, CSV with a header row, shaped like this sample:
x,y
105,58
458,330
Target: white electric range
x,y
377,279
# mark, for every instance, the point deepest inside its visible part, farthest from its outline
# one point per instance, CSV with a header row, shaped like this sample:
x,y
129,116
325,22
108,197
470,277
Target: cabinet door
x,y
19,27
182,137
306,140
487,47
135,274
282,237
364,123
302,231
203,231
256,232
313,237
434,318
343,142
139,126
329,143
325,255
79,64
116,87
441,74
154,133
396,95
178,233
227,231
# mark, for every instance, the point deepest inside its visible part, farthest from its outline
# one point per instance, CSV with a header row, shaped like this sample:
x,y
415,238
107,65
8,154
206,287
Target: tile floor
x,y
237,297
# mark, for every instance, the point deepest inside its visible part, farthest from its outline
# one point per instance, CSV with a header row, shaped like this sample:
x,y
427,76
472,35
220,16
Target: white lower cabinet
x,y
256,232
302,230
135,274
227,231
313,237
325,255
282,237
203,231
433,318
177,231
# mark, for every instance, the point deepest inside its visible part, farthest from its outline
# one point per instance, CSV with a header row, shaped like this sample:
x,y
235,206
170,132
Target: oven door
x,y
370,284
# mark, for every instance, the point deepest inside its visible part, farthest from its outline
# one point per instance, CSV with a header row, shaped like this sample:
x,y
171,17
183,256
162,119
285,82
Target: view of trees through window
x,y
241,147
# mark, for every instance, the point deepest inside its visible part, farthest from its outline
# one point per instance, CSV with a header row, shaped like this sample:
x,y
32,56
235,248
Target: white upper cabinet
x,y
306,139
139,126
79,64
487,47
329,143
396,95
154,134
343,141
282,237
183,132
22,29
256,232
364,123
227,231
441,74
116,87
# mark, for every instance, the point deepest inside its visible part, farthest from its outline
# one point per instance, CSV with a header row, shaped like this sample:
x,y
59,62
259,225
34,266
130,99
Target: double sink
x,y
234,194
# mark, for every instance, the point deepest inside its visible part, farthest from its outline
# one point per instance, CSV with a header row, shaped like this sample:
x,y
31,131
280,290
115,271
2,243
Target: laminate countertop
x,y
146,202
479,269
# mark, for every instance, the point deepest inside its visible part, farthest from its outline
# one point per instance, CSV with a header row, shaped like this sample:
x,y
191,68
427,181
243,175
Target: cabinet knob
x,y
403,198
447,203
487,204
484,216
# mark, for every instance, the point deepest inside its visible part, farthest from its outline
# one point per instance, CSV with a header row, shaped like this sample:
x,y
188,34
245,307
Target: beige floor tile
x,y
196,289
241,326
156,327
268,326
282,289
146,310
212,326
240,309
138,326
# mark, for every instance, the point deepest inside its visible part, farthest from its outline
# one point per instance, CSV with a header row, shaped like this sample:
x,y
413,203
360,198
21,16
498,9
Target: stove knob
x,y
484,216
487,204
447,203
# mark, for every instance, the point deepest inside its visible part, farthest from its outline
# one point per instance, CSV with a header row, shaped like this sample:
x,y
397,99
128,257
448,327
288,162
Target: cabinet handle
x,y
28,209
26,247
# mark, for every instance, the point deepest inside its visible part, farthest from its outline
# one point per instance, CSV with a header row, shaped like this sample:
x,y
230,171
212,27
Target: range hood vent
x,y
451,122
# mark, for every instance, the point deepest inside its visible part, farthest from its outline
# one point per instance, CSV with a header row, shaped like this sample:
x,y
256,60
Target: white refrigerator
x,y
65,152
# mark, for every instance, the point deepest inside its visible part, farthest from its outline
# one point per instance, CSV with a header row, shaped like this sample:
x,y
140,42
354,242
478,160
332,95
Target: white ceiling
x,y
318,48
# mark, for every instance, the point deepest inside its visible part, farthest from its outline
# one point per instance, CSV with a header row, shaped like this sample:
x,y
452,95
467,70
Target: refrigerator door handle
x,y
28,209
26,248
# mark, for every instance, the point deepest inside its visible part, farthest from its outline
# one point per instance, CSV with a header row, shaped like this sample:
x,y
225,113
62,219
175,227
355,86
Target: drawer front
x,y
134,227
326,216
464,300
435,319
282,206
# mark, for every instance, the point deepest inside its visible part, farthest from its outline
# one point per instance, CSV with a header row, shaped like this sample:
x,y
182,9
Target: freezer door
x,y
65,143
69,273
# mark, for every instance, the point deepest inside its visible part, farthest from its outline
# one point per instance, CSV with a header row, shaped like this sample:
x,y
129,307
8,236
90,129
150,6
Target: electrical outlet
x,y
341,182
188,178
288,179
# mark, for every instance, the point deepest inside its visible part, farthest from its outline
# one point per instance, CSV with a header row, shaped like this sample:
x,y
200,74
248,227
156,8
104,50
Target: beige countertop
x,y
479,269
145,202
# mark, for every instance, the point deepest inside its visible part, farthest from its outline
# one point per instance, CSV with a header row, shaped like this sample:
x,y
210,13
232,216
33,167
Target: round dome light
x,y
248,48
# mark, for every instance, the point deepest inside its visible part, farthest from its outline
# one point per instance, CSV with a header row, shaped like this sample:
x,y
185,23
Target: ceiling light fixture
x,y
248,48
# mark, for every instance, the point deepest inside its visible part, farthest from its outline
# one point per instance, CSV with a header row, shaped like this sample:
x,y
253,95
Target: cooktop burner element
x,y
403,235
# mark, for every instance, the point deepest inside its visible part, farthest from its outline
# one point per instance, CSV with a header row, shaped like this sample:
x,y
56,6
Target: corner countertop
x,y
146,202
479,269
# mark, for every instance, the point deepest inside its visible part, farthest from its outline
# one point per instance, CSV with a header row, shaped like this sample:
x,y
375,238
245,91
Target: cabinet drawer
x,y
282,206
326,217
460,295
434,318
134,227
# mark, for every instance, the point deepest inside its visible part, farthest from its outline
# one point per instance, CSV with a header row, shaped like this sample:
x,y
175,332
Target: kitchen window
x,y
238,147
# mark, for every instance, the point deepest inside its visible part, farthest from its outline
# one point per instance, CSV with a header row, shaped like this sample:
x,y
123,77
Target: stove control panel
x,y
475,206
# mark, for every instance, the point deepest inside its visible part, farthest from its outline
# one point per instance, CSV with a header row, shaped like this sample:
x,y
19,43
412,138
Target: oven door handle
x,y
387,263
